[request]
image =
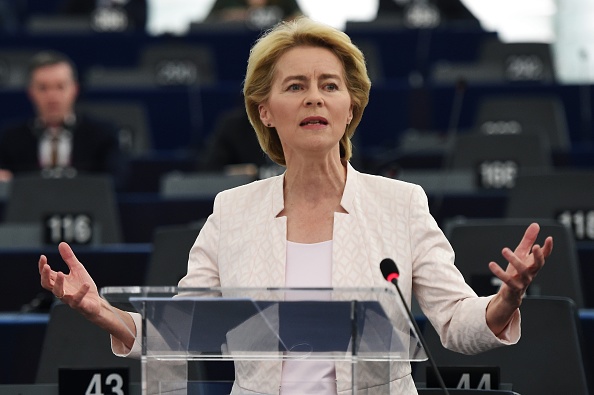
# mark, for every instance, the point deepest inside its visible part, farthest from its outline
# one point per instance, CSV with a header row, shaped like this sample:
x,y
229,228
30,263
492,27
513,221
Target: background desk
x,y
21,337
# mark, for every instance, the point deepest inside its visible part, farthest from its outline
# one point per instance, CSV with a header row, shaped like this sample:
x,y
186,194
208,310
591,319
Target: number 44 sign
x,y
77,381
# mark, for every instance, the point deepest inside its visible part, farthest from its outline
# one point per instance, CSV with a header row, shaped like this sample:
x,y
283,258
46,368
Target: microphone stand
x,y
421,339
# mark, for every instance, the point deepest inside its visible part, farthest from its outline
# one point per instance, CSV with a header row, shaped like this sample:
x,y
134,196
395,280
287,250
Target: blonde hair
x,y
262,61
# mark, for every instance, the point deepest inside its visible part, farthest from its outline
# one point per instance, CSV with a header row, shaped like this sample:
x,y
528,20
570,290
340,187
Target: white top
x,y
308,265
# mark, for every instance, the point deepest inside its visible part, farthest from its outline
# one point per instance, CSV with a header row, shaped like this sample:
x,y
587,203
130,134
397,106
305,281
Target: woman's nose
x,y
313,100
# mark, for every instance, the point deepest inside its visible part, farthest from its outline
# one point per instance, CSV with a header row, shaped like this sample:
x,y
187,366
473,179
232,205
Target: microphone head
x,y
389,269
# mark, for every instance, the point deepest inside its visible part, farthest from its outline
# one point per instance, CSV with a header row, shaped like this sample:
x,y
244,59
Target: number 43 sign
x,y
93,381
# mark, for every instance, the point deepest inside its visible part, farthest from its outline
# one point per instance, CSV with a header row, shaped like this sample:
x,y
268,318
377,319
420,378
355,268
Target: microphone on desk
x,y
391,274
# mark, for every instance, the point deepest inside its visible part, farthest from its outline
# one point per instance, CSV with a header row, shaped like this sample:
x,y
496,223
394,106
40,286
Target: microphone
x,y
391,274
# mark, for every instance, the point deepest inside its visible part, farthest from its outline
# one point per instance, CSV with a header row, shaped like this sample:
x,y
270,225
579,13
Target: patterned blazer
x,y
243,244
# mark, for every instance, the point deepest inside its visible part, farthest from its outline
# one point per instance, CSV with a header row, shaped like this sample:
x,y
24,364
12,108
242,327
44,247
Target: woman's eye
x,y
332,87
294,87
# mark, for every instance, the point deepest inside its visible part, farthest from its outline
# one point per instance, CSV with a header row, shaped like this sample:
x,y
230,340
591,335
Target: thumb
x,y
68,255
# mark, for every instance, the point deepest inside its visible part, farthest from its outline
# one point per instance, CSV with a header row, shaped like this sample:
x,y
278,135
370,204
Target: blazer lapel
x,y
350,257
268,261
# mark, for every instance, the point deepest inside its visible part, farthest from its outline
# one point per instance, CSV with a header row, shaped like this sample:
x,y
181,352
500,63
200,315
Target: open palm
x,y
77,288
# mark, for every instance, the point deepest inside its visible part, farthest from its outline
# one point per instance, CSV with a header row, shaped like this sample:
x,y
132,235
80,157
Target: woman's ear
x,y
350,116
264,115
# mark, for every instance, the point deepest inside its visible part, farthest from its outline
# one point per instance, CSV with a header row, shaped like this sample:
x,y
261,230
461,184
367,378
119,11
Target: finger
x,y
520,266
58,288
41,263
547,248
506,278
530,235
498,271
46,278
68,255
539,257
77,298
45,271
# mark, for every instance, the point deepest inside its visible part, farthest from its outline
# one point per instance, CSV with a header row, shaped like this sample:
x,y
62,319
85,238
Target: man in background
x,y
57,141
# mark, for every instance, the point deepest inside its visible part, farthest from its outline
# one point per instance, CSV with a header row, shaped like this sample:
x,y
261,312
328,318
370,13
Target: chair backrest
x,y
199,185
48,24
445,72
373,58
479,241
171,247
118,77
520,61
544,115
80,210
547,359
497,160
566,196
441,181
13,67
177,63
20,235
500,62
130,117
73,342
160,65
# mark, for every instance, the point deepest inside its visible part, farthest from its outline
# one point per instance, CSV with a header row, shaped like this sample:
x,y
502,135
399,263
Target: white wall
x,y
574,42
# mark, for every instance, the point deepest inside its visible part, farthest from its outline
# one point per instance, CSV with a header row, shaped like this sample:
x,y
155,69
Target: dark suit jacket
x,y
95,148
232,142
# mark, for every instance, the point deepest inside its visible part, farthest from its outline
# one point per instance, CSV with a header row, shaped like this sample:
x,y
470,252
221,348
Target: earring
x,y
269,125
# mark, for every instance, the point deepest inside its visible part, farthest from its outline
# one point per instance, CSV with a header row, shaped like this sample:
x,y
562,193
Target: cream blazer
x,y
243,244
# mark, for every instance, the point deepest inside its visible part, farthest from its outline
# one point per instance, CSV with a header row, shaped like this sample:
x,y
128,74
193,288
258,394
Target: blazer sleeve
x,y
120,349
203,265
451,305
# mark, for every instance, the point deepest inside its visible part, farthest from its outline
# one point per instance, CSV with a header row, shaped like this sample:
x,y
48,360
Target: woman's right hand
x,y
76,289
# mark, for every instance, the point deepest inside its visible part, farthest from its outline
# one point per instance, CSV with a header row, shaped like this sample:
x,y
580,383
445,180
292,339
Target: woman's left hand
x,y
524,263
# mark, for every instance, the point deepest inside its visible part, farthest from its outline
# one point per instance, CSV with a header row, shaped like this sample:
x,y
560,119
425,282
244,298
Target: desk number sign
x,y
465,377
78,381
73,228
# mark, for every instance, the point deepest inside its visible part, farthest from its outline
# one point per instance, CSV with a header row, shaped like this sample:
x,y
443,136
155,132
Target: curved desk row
x,y
22,337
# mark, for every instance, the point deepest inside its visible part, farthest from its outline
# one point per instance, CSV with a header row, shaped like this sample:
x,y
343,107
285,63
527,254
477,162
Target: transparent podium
x,y
353,332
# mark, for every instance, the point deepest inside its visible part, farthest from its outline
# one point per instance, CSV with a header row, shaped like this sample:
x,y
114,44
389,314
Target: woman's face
x,y
309,104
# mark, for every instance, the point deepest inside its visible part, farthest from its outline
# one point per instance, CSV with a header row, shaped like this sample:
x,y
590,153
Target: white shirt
x,y
55,144
310,266
63,141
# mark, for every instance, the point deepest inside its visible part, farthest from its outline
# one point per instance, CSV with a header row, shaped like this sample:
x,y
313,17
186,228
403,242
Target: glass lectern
x,y
346,326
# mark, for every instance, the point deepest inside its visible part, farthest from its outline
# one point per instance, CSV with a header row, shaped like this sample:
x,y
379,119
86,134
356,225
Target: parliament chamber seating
x,y
176,119
559,366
